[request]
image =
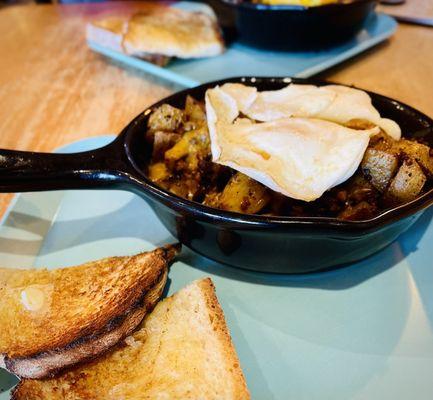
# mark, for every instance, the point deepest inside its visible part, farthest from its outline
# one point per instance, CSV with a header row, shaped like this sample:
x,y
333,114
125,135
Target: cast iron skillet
x,y
291,27
261,243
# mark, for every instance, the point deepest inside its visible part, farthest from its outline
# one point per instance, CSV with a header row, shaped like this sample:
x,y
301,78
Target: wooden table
x,y
54,90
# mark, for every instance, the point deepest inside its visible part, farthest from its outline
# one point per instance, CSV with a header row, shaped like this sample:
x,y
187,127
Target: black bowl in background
x,y
298,28
256,242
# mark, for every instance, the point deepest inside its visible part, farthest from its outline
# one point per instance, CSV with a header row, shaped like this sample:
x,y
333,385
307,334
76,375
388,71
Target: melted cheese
x,y
296,156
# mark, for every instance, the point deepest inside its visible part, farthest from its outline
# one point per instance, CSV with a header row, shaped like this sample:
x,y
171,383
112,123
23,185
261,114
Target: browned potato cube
x,y
379,167
243,194
180,149
165,118
194,114
417,151
185,187
407,184
194,145
383,142
158,172
162,141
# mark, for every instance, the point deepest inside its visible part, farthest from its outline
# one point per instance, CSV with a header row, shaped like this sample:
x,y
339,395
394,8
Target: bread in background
x,y
160,33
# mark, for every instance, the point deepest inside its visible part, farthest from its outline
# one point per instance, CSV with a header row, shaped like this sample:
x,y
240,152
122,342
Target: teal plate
x,y
361,332
240,60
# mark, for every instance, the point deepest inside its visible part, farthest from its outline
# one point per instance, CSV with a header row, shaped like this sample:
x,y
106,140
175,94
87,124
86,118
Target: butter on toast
x,y
182,350
53,319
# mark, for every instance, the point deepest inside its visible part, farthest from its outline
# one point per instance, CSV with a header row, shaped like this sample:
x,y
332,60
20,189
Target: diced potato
x,y
379,167
179,150
383,142
195,115
162,141
165,118
407,184
158,172
194,145
243,194
212,198
417,151
186,188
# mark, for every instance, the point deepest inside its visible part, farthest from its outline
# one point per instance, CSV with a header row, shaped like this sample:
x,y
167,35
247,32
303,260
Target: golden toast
x,y
182,350
53,319
159,33
173,32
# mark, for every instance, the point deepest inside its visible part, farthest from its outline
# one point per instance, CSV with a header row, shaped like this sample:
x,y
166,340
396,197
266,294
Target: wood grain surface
x,y
54,90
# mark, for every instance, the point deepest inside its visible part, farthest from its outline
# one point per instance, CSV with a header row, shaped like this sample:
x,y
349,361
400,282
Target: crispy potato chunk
x,y
162,141
417,151
158,172
379,167
243,194
165,118
407,184
383,142
186,188
180,149
194,145
194,115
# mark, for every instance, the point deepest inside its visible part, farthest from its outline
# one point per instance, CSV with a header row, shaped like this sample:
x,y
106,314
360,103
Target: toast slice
x,y
173,32
160,33
53,319
182,351
108,32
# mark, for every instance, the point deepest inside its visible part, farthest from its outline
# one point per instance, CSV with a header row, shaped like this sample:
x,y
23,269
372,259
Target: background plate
x,y
240,60
361,332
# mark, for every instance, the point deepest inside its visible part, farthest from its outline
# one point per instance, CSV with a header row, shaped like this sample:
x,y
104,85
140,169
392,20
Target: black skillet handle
x,y
22,171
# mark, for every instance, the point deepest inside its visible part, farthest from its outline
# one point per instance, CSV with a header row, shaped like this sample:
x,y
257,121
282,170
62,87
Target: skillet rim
x,y
293,7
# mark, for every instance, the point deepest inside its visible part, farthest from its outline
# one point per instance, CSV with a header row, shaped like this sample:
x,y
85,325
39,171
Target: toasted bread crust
x,y
216,315
118,317
108,32
49,363
137,364
173,32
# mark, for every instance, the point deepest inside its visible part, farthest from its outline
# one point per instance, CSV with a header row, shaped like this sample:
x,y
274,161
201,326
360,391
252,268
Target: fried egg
x,y
334,103
300,157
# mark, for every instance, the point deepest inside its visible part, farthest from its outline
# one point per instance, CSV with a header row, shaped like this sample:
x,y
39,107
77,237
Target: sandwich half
x,y
182,350
53,319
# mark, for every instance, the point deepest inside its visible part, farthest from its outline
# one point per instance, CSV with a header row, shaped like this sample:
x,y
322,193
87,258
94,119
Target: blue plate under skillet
x,y
360,332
